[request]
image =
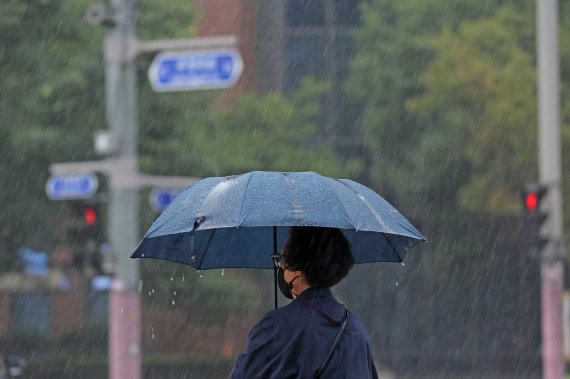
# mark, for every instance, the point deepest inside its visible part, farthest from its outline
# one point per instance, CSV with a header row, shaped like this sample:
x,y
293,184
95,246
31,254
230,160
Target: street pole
x,y
121,112
552,265
121,170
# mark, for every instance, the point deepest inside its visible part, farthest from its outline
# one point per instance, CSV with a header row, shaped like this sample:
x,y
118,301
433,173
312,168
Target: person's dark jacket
x,y
293,342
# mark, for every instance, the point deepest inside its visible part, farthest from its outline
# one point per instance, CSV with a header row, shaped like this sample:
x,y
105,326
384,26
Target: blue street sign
x,y
160,198
72,187
195,70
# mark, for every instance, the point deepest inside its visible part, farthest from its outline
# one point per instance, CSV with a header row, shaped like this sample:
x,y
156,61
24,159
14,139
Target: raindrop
x,y
222,272
173,302
152,290
397,284
200,273
403,264
140,286
171,279
122,310
142,255
152,336
182,277
174,293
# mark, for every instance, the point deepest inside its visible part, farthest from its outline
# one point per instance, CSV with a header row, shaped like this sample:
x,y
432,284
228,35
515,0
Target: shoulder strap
x,y
319,311
337,338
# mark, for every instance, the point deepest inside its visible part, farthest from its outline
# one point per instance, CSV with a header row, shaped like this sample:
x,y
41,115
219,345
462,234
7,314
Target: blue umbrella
x,y
239,221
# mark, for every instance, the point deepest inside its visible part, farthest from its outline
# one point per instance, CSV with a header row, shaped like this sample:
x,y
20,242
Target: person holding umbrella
x,y
235,221
314,336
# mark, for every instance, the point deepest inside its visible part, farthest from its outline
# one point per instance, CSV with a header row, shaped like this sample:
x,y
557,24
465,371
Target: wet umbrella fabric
x,y
240,221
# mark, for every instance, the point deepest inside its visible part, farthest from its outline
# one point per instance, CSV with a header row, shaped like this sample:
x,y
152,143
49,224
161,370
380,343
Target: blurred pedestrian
x,y
314,336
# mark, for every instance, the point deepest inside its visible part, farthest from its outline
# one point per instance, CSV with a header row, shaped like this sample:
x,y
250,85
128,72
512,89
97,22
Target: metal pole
x,y
552,266
124,304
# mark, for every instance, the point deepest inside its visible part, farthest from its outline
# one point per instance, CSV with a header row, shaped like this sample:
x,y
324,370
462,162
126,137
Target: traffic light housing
x,y
86,220
90,216
86,234
534,216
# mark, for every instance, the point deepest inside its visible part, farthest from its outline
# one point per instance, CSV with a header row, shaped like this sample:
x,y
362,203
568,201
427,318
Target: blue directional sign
x,y
160,198
195,70
72,187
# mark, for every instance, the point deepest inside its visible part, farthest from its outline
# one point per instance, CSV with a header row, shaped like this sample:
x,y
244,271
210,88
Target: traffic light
x,y
534,215
85,234
90,215
86,222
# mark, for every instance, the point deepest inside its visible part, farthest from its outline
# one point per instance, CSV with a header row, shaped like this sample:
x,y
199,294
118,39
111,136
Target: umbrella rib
x,y
207,248
243,198
393,248
375,214
294,192
380,220
340,202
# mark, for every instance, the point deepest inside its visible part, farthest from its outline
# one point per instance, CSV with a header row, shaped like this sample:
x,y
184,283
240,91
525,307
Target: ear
x,y
290,274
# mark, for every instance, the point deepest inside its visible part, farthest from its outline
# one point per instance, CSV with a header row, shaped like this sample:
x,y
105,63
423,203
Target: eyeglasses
x,y
278,259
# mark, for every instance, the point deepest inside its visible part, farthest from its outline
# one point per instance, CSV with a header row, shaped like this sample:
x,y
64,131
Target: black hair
x,y
322,254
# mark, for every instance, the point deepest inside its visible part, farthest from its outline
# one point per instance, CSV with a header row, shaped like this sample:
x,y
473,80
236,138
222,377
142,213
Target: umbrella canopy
x,y
238,221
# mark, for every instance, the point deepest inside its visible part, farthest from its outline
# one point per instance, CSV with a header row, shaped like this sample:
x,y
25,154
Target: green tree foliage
x,y
420,158
447,118
51,85
479,108
265,132
394,47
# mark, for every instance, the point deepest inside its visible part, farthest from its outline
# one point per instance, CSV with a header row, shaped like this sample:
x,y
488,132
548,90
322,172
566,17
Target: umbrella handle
x,y
274,267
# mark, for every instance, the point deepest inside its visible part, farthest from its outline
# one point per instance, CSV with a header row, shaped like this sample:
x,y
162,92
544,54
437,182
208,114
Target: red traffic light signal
x,y
90,215
86,214
531,195
531,201
533,217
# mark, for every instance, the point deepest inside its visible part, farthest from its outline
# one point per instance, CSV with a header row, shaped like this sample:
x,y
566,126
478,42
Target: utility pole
x,y
121,114
553,255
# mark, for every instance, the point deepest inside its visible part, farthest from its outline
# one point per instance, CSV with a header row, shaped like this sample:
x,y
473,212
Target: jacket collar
x,y
311,293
